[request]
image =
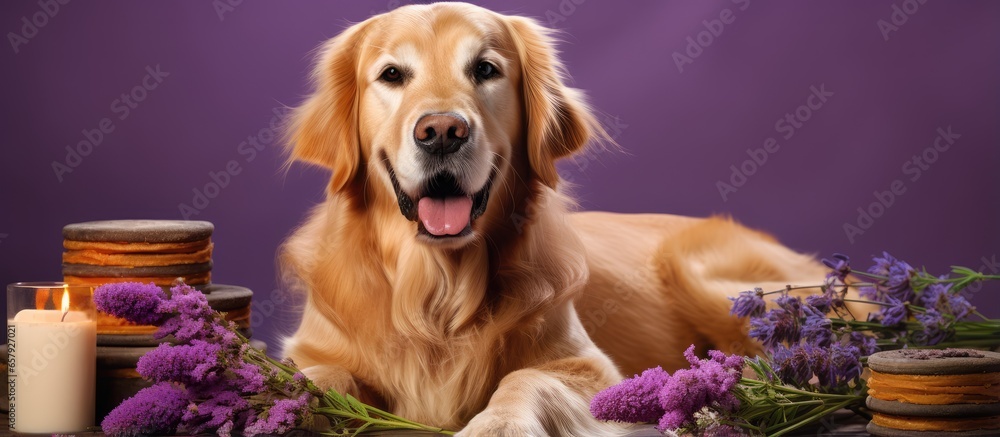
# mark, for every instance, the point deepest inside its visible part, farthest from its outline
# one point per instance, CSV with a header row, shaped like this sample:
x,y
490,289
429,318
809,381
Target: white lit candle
x,y
52,370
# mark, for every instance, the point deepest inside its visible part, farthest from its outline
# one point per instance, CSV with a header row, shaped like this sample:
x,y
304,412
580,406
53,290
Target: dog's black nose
x,y
440,134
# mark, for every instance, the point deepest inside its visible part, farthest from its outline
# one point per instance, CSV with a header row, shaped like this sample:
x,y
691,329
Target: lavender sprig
x,y
916,309
815,350
210,380
769,407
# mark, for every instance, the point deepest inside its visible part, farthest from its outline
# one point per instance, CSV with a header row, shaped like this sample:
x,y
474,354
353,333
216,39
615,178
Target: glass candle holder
x,y
52,357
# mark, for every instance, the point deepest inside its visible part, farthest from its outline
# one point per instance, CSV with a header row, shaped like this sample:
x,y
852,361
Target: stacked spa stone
x,y
950,392
157,251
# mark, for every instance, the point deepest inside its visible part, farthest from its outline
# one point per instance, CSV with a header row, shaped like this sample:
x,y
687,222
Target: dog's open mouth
x,y
442,209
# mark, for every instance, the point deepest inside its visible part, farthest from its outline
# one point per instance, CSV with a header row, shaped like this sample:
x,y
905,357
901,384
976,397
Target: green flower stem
x,y
868,302
334,405
793,390
740,424
393,423
797,423
775,409
347,407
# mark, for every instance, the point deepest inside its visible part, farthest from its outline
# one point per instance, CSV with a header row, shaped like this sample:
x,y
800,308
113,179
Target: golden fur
x,y
511,329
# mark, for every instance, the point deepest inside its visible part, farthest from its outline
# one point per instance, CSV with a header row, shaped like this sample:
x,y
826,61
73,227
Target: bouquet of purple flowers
x,y
208,379
815,352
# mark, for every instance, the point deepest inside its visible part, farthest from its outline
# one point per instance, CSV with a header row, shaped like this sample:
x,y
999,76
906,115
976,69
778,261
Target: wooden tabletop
x,y
844,423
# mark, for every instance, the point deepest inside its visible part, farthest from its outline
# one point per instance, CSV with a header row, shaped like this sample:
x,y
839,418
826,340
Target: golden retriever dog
x,y
447,278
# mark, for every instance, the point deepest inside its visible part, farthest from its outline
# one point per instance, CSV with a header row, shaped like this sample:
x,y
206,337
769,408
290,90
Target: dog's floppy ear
x,y
324,129
559,122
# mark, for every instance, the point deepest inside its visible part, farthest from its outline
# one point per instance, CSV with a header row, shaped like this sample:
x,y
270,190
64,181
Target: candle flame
x,y
65,301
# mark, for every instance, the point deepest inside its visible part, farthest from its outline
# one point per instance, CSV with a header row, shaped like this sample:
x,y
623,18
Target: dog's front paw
x,y
492,423
333,377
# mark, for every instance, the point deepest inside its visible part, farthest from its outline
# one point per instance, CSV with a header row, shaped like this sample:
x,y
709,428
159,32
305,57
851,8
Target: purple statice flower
x,y
153,410
280,417
749,304
249,377
935,327
634,400
220,410
224,332
191,315
896,313
197,362
674,419
708,383
132,301
841,266
816,328
897,284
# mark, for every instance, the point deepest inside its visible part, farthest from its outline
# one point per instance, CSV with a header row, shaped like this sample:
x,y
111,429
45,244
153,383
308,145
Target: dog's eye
x,y
391,74
485,71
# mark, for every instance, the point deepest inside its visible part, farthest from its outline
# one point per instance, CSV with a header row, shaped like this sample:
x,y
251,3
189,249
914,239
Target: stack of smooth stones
x,y
949,392
157,251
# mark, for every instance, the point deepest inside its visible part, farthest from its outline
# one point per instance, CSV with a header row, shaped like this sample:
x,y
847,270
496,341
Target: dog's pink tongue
x,y
447,216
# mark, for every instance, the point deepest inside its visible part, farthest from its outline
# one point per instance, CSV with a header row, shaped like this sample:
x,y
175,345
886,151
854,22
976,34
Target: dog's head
x,y
444,107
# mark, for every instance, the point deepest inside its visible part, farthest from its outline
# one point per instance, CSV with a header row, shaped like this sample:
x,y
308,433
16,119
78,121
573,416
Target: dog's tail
x,y
716,259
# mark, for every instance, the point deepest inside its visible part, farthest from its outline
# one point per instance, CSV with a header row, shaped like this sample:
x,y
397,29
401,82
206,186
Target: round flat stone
x,y
91,271
934,361
223,297
139,341
119,357
897,408
882,431
140,231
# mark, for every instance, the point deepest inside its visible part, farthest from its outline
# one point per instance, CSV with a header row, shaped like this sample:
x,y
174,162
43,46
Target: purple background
x,y
682,130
